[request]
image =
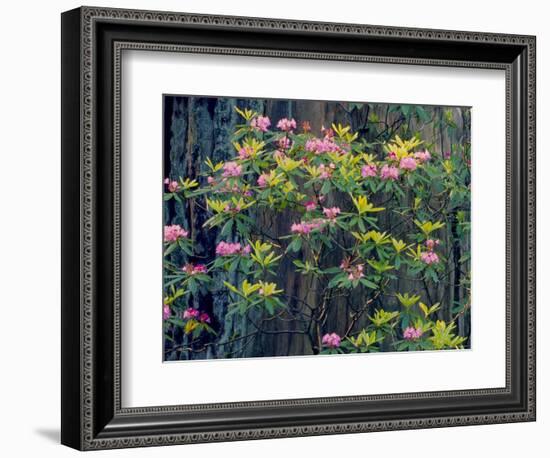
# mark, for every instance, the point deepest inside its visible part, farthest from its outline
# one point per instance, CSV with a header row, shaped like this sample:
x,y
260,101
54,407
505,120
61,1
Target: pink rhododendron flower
x,y
262,180
190,313
173,186
318,146
232,209
200,268
331,213
332,340
311,145
166,311
231,169
391,156
431,244
327,132
193,269
447,155
284,143
368,170
174,232
231,249
245,152
299,228
355,272
286,124
429,257
204,317
411,333
389,172
210,180
228,248
326,171
423,156
408,163
310,205
261,122
306,227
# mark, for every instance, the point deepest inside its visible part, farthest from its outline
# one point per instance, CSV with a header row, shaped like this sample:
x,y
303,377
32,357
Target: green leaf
x,y
170,249
226,230
333,270
368,283
295,245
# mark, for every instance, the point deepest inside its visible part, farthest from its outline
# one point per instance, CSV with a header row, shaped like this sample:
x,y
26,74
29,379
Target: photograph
x,y
311,227
273,222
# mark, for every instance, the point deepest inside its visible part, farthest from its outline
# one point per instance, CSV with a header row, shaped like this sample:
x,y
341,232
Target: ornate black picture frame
x,y
92,42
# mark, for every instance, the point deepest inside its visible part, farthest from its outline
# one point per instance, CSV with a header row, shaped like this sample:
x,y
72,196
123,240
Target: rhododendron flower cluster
x,y
190,314
310,205
389,172
411,333
423,156
284,143
326,171
231,169
368,170
429,257
204,317
318,146
354,272
194,314
263,180
261,123
331,213
327,132
391,156
305,227
173,186
174,232
244,153
407,163
193,269
331,340
287,125
232,249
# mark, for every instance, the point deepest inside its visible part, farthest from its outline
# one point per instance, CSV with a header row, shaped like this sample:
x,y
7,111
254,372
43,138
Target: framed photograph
x,y
277,228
